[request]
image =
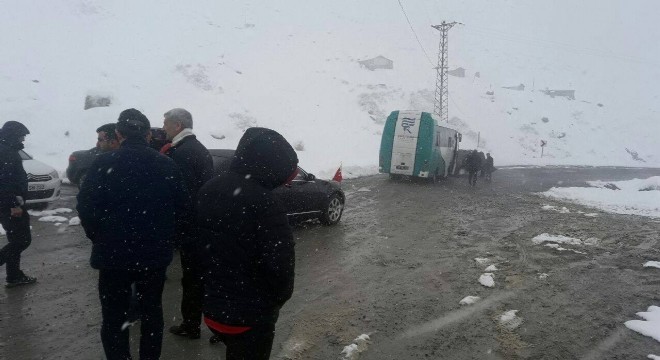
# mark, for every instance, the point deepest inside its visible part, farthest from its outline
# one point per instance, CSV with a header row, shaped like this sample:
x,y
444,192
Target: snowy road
x,y
396,268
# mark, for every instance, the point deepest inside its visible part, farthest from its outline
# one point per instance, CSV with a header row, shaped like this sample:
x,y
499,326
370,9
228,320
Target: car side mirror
x,y
310,177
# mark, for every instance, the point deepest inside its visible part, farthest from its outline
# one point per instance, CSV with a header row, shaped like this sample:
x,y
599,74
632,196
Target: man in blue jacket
x,y
13,190
131,206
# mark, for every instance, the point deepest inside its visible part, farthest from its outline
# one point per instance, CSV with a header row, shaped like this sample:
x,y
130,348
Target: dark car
x,y
305,198
81,160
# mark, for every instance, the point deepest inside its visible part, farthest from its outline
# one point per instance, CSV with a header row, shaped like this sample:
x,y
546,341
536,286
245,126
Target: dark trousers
x,y
115,295
18,238
192,284
254,344
472,177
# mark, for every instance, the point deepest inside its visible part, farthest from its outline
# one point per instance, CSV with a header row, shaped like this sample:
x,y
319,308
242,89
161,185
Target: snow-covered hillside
x,y
292,66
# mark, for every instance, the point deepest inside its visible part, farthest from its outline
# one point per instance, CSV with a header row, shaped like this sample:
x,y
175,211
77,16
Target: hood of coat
x,y
265,156
11,134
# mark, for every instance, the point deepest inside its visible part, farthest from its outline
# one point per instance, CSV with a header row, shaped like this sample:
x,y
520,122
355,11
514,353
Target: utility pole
x,y
441,79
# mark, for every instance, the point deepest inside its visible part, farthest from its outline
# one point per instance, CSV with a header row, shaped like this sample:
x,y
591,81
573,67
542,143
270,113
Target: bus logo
x,y
407,123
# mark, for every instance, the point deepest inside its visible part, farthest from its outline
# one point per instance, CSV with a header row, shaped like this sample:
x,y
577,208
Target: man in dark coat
x,y
489,167
473,165
251,258
196,167
131,206
13,191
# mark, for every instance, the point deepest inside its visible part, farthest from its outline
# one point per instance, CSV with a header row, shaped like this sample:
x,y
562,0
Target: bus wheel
x,y
434,178
452,169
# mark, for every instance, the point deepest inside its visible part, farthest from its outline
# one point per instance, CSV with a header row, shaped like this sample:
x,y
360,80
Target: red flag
x,y
337,177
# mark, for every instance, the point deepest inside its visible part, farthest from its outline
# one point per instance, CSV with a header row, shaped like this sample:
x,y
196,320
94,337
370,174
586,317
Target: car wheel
x,y
333,211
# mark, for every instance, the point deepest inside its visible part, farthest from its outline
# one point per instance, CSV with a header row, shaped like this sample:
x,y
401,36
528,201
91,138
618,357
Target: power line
x,y
414,33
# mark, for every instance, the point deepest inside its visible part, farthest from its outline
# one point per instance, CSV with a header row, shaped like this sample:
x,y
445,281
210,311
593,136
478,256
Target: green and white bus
x,y
413,144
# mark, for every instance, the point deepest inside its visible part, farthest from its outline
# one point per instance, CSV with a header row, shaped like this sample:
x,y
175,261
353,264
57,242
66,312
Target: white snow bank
x,y
469,300
635,197
2,231
491,268
655,264
651,356
74,221
562,210
50,212
510,320
543,276
487,280
650,327
350,351
482,260
559,248
55,219
560,239
359,345
649,184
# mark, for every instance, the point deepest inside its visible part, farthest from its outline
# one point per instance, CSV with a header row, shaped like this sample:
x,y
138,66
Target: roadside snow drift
x,y
632,197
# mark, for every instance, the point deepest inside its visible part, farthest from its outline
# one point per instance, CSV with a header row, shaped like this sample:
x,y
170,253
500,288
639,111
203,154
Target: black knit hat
x,y
14,129
134,120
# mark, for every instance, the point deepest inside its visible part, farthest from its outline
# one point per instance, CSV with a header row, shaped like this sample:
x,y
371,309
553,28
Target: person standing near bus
x,y
473,165
488,167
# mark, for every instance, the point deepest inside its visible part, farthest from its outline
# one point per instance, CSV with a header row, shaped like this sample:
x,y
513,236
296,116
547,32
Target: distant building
x,y
379,62
569,94
97,101
458,72
520,87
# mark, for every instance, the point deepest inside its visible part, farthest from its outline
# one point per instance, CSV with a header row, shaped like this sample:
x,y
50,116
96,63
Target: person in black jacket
x,y
196,167
251,258
131,206
489,167
13,191
473,165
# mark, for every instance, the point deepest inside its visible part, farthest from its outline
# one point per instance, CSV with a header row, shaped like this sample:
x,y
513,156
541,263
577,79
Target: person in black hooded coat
x,y
250,258
13,191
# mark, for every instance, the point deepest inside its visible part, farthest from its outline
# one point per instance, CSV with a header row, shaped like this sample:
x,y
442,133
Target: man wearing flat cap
x,y
131,206
13,189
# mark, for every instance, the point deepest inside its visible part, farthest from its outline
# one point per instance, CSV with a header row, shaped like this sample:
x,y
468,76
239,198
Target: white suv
x,y
44,182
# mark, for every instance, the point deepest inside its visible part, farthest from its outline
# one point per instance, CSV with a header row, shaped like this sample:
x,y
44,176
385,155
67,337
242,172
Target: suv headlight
x,y
54,174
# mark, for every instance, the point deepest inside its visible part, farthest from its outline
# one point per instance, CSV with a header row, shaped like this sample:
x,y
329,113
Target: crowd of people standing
x,y
137,205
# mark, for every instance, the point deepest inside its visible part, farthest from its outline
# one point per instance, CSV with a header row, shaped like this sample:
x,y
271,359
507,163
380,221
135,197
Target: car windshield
x,y
24,155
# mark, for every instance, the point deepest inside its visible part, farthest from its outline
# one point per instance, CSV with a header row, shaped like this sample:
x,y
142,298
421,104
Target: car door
x,y
300,196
